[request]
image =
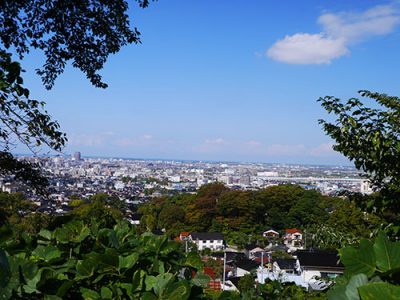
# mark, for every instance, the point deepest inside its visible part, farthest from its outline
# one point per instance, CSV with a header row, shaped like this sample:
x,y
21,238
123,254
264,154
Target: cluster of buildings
x,y
131,177
313,269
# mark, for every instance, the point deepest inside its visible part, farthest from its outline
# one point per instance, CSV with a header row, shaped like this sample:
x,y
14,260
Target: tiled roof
x,y
207,236
293,230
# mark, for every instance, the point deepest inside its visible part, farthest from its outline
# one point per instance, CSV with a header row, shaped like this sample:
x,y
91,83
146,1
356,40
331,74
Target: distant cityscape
x,y
136,181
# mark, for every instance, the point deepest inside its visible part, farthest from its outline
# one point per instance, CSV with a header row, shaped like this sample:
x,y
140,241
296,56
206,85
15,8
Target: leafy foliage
x,y
371,271
77,261
369,137
25,120
84,32
243,215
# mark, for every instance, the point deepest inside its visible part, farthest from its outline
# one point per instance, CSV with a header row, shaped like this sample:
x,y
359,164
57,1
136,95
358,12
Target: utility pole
x,y
223,275
269,261
262,267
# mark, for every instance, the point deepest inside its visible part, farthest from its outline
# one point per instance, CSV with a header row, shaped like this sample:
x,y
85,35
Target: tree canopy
x,y
370,137
84,32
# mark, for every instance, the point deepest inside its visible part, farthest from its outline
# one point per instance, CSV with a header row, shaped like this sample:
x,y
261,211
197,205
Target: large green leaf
x,y
88,294
178,291
356,281
128,261
359,260
162,281
379,290
150,282
31,284
47,253
106,293
108,260
387,253
74,232
85,268
44,233
63,289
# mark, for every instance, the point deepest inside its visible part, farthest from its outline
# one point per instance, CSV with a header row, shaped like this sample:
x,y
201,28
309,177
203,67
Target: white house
x,y
207,240
271,234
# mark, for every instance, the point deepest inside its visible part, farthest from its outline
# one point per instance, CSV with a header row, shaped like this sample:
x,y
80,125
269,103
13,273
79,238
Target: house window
x,y
204,242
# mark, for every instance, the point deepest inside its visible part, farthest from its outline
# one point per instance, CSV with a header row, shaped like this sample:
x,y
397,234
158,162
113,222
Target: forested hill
x,y
238,214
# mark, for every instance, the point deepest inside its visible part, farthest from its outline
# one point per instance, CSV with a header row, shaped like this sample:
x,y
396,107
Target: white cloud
x,y
304,48
379,20
339,32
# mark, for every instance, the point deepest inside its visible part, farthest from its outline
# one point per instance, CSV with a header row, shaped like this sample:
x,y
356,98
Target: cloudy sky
x,y
229,80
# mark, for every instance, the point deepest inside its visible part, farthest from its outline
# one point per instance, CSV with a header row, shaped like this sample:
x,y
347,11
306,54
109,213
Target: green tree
x,y
370,138
84,33
307,210
24,120
246,283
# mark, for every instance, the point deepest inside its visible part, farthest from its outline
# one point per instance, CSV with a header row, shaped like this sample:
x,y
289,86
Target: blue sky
x,y
228,80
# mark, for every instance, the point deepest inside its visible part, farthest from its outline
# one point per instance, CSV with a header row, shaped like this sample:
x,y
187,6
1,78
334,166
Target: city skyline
x,y
228,81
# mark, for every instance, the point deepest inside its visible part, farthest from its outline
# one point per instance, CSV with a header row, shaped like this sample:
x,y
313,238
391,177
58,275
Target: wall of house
x,y
241,272
307,275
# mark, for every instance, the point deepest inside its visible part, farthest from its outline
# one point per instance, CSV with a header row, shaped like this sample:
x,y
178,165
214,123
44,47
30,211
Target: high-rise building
x,y
245,180
77,156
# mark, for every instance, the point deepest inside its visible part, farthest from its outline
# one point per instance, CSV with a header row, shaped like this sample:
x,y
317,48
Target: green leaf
x,y
47,253
201,280
128,261
148,296
387,253
63,289
162,282
85,268
379,290
106,293
359,260
355,282
128,288
150,282
31,284
109,259
88,294
137,279
179,291
44,233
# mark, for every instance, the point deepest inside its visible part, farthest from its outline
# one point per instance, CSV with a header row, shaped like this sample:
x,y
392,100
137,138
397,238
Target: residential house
x,y
318,263
243,266
284,266
272,234
251,250
293,239
207,240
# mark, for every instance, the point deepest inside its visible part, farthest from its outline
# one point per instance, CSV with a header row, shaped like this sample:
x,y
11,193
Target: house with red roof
x,y
293,239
